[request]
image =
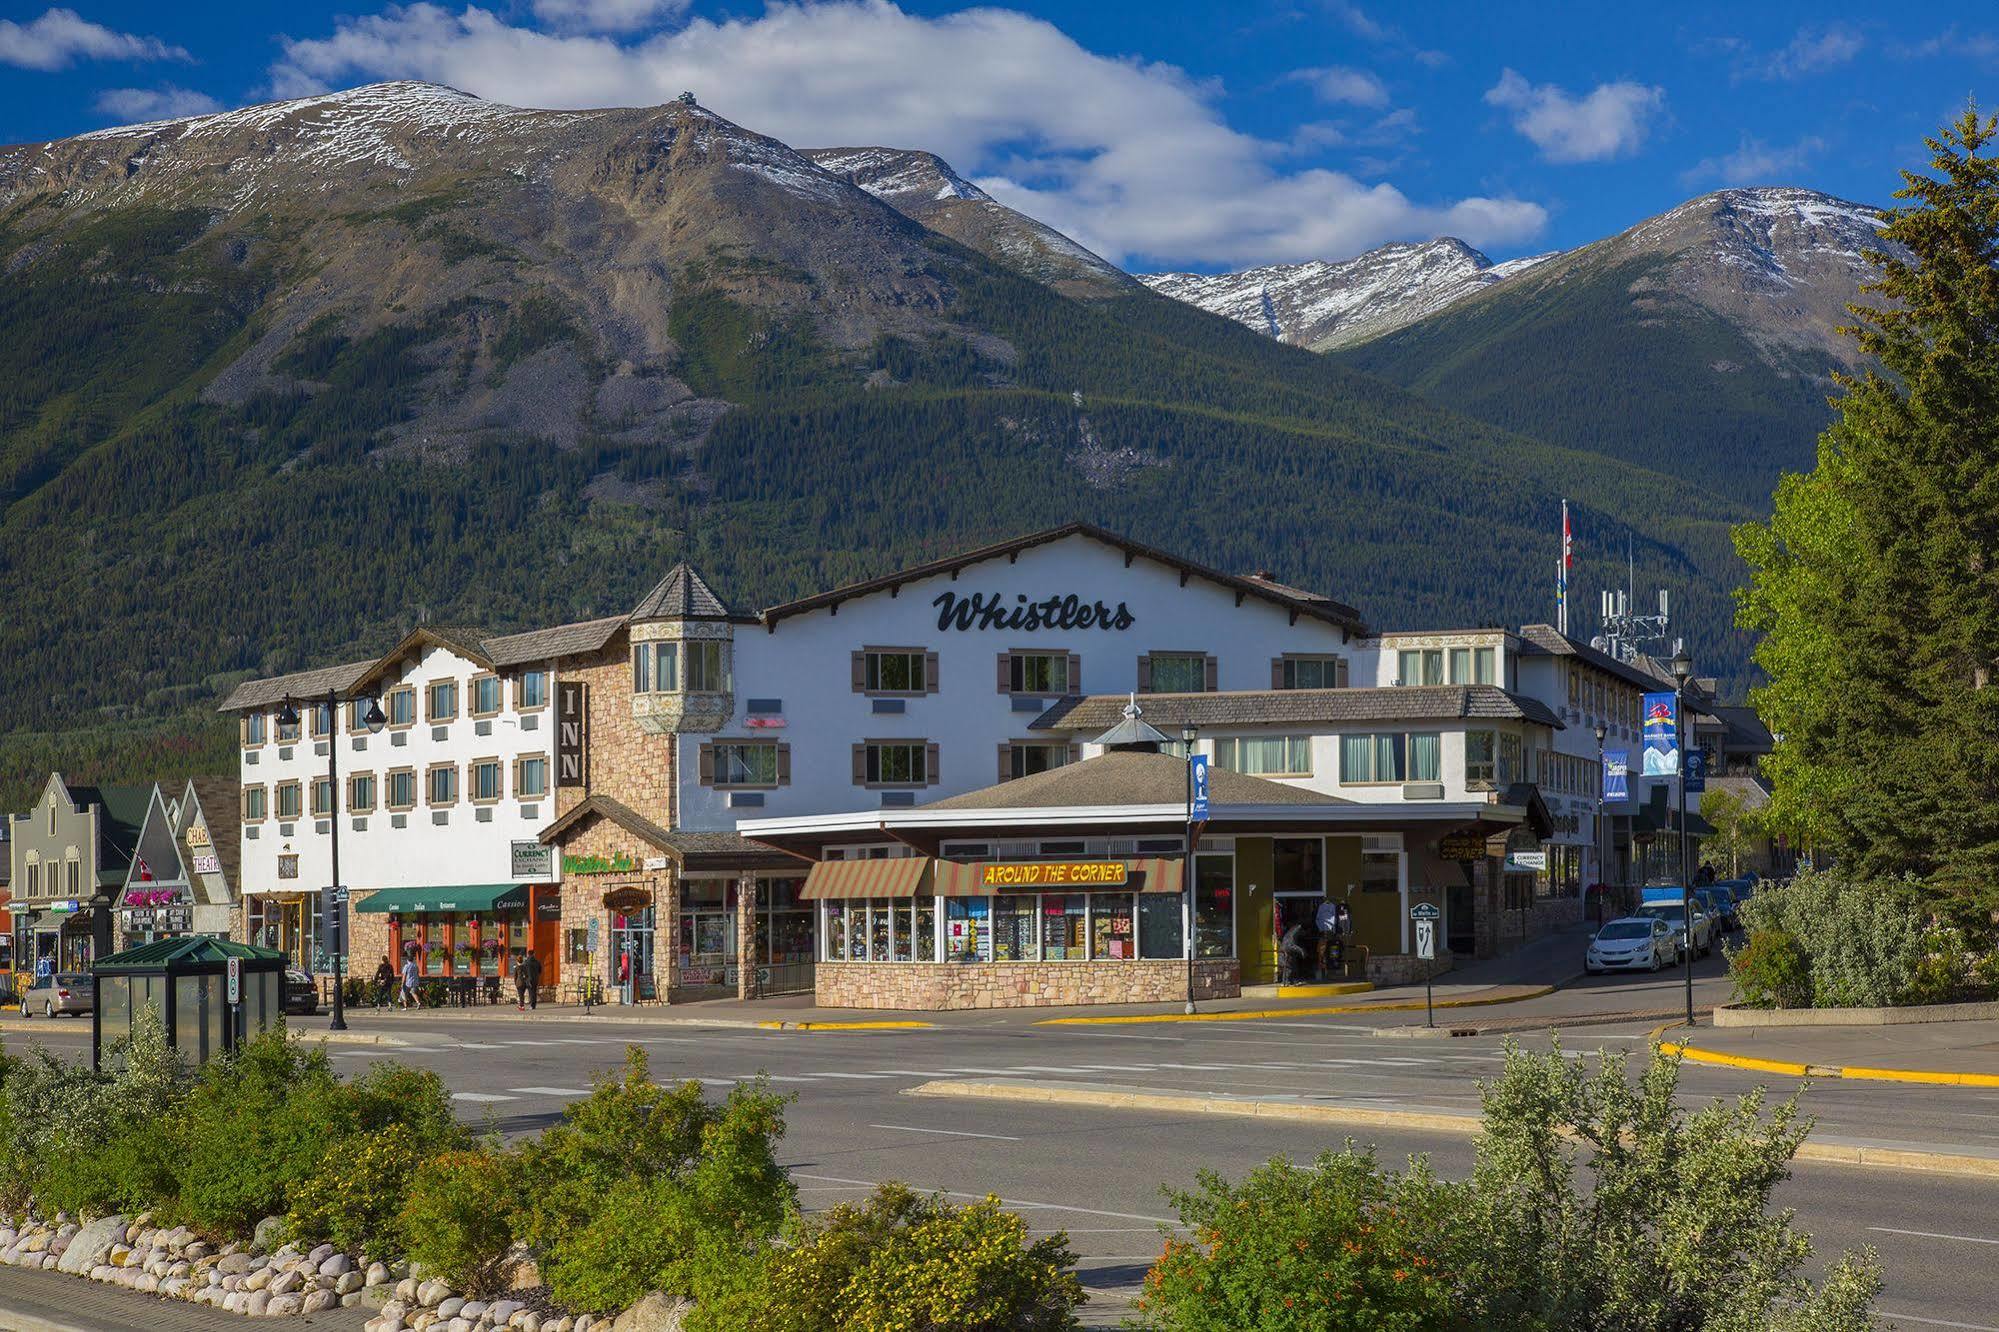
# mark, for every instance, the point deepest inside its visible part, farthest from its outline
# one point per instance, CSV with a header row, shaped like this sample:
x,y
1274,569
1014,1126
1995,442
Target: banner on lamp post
x,y
1616,774
1661,733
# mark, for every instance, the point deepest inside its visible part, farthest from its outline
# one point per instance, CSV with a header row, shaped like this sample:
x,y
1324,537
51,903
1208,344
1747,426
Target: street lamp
x,y
1188,735
1682,667
1603,887
336,910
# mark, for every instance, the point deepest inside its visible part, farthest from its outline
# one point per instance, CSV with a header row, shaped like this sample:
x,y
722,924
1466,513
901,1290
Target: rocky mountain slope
x,y
1700,342
1327,303
273,379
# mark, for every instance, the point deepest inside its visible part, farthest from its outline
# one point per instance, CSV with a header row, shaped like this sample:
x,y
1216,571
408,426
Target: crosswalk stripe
x,y
481,1097
550,1091
865,1076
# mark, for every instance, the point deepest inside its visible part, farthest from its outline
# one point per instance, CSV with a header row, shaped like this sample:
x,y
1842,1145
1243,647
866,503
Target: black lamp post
x,y
1602,882
1188,735
1683,666
336,909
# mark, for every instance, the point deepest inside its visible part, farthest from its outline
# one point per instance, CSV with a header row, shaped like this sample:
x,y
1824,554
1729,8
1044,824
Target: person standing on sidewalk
x,y
409,982
527,981
385,983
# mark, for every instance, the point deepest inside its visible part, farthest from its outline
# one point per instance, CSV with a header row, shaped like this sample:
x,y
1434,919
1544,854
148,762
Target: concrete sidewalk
x,y
1947,1053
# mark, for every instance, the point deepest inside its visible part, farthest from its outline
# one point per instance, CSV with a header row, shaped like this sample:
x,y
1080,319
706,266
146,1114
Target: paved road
x,y
1097,1174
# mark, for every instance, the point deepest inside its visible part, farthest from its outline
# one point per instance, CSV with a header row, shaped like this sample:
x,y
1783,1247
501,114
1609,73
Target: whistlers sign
x,y
980,611
1055,874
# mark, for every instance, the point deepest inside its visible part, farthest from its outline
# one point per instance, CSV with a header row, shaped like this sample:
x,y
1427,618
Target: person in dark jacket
x,y
527,982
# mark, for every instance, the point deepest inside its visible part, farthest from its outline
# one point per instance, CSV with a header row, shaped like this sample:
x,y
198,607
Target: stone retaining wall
x,y
941,986
1735,1015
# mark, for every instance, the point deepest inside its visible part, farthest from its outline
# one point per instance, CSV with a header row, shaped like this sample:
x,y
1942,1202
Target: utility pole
x,y
1683,667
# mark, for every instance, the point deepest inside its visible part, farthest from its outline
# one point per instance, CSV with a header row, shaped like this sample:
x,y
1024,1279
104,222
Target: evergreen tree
x,y
1876,581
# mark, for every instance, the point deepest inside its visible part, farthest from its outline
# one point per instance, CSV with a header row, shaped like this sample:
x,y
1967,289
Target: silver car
x,y
1633,943
73,992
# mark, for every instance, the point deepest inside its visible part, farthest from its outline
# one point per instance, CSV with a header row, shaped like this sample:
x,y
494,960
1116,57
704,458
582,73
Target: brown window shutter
x,y
784,765
1339,672
860,672
860,765
1075,673
1208,683
930,765
1075,753
1006,672
1277,672
707,765
1006,763
1145,675
930,672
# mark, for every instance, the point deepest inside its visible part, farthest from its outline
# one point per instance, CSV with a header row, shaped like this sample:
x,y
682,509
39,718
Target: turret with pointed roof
x,y
682,595
683,647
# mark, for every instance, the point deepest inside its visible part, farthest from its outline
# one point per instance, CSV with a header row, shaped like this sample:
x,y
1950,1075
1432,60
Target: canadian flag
x,y
145,870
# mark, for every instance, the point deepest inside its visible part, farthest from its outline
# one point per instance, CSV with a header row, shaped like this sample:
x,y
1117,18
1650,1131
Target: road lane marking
x,y
1936,1322
952,1133
864,1077
1931,1234
481,1097
550,1091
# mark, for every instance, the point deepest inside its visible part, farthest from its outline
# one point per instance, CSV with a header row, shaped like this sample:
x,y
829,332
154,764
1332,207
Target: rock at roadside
x,y
267,1232
91,1245
657,1312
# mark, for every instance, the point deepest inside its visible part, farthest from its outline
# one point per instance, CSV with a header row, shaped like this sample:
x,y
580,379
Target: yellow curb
x,y
1826,1153
1849,1073
1326,991
1716,1057
1940,1078
1264,1014
846,1026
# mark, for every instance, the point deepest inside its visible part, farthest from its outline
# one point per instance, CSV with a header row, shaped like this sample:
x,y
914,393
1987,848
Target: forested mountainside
x,y
275,381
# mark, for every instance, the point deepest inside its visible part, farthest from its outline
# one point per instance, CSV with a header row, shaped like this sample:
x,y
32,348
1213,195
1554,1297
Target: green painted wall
x,y
1255,945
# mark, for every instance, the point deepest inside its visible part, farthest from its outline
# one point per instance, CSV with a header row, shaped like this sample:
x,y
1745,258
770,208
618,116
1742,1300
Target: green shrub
x,y
257,1124
354,1197
458,1219
1770,970
903,1260
1339,1245
1866,940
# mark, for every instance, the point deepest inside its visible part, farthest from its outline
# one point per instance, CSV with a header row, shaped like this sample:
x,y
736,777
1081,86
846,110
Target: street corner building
x,y
958,785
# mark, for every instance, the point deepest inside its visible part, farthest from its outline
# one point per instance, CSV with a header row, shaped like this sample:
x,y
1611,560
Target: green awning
x,y
472,897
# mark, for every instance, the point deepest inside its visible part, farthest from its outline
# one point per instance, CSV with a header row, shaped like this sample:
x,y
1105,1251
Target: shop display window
x,y
1062,928
1214,906
926,929
1111,937
878,930
967,929
1159,933
1014,928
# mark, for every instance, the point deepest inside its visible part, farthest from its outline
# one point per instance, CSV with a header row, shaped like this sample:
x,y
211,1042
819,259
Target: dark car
x,y
72,992
301,993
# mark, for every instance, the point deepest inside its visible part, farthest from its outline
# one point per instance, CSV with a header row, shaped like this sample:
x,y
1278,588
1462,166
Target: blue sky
x,y
1163,134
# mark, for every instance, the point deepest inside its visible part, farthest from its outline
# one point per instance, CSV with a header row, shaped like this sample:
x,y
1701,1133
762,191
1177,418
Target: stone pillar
x,y
666,934
746,934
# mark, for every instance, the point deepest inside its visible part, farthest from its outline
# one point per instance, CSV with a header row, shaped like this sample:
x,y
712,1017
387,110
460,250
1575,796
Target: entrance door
x,y
291,930
543,944
1460,920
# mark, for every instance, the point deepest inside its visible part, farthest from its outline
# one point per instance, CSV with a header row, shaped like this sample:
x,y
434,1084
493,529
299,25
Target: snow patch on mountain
x,y
891,174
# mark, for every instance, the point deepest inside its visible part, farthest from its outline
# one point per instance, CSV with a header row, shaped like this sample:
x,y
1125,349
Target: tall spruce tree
x,y
1876,582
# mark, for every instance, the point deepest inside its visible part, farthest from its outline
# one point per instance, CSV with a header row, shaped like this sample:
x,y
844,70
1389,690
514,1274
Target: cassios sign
x,y
1021,615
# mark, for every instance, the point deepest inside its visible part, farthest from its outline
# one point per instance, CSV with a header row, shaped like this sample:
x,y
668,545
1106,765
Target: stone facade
x,y
583,899
622,760
939,986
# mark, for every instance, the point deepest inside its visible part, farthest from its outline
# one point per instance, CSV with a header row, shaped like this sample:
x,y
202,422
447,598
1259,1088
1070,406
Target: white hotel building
x,y
716,762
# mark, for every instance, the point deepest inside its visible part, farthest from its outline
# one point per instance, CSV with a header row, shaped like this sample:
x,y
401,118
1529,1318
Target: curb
x,y
1267,1014
1925,1077
848,1026
1826,1153
1326,990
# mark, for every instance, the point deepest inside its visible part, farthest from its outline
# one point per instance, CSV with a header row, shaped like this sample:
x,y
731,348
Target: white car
x,y
1675,915
1632,943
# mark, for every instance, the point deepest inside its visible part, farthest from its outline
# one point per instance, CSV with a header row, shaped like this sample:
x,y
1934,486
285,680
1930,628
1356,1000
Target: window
x,y
1024,758
441,701
253,729
485,695
254,804
485,783
322,797
401,707
655,668
1509,758
402,789
289,796
441,785
1390,757
357,717
892,671
1214,906
35,876
531,690
361,793
1175,673
743,763
1039,673
704,668
531,777
287,734
894,763
1309,673
75,868
1482,666
1481,755
1423,666
320,718
1266,755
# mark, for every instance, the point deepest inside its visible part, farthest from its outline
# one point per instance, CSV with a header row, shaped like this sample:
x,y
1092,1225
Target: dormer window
x,y
655,668
704,667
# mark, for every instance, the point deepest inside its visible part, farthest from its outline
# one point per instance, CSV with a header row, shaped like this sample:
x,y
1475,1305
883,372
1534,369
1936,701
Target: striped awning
x,y
1152,874
844,880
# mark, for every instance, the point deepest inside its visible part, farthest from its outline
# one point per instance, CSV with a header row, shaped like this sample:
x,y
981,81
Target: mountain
x,y
1701,342
1326,303
922,186
274,380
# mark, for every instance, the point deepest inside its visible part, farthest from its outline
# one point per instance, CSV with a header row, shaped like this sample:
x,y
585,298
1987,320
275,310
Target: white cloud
x,y
164,103
605,15
1755,162
1131,158
1338,83
1812,51
61,37
1610,121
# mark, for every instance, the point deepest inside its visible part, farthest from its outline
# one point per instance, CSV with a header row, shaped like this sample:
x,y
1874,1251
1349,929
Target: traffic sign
x,y
1426,940
235,980
1198,808
1425,911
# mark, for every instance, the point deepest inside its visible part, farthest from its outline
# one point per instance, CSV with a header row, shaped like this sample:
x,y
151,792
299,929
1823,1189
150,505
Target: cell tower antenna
x,y
1626,634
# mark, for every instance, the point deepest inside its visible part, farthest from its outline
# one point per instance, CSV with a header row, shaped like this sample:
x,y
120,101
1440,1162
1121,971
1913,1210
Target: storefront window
x,y
492,940
899,929
967,929
1062,928
1014,927
576,949
878,930
926,929
435,957
464,959
1111,937
1214,906
1159,934
1380,872
836,931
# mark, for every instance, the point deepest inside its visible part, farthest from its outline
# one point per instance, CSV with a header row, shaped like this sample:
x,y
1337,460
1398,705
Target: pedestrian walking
x,y
527,981
385,983
409,982
1327,921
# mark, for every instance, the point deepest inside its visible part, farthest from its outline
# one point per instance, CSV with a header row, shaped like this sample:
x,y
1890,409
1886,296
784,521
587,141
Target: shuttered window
x,y
1308,672
1040,672
1176,673
889,670
1024,758
745,763
895,763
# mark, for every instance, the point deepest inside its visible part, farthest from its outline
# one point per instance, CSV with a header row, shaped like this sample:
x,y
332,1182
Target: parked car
x,y
1632,943
1675,915
72,992
301,993
1719,902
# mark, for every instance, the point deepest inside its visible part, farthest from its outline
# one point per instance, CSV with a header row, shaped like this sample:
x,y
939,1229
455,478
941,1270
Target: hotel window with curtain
x,y
1392,756
1265,755
1420,666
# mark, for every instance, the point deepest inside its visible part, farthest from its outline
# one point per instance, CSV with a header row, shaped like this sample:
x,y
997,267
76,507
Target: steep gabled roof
x,y
220,800
459,640
564,640
255,695
682,595
1309,604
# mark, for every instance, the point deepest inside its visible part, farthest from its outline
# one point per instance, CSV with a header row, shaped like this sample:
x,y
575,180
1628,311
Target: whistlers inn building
x,y
901,793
